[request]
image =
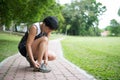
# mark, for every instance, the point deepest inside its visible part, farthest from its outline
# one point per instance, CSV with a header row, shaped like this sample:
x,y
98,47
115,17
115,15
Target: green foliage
x,y
99,56
114,28
28,11
55,10
119,12
83,16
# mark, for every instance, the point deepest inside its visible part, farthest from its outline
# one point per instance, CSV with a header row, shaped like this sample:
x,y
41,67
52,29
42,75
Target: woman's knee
x,y
39,43
51,57
44,39
54,57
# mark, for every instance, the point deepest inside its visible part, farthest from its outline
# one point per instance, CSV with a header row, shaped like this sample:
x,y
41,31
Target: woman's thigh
x,y
36,44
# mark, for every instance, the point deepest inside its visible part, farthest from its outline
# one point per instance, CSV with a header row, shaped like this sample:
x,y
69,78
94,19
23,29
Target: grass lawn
x,y
99,56
8,45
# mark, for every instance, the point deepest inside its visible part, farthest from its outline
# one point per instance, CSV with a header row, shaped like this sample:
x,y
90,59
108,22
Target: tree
x,y
114,28
67,28
119,12
83,16
55,10
23,11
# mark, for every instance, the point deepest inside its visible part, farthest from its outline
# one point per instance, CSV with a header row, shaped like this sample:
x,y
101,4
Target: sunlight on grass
x,y
8,45
97,55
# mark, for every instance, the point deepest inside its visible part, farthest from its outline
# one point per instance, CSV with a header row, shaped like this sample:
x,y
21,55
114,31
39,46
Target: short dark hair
x,y
51,22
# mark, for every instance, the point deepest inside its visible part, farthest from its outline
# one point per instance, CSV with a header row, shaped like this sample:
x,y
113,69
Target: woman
x,y
34,44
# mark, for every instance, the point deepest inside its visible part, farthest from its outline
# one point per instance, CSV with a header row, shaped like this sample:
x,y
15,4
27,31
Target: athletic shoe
x,y
43,68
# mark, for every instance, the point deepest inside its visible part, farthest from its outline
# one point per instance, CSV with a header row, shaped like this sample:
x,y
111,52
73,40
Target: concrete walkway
x,y
17,68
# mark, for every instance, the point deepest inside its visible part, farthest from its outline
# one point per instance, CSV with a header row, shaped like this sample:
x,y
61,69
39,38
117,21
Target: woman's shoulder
x,y
37,25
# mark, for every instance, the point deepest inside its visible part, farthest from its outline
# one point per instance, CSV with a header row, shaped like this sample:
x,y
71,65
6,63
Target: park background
x,y
86,45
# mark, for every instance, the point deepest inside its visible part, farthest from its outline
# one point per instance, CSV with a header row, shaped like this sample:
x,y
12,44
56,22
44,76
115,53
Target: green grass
x,y
99,56
8,45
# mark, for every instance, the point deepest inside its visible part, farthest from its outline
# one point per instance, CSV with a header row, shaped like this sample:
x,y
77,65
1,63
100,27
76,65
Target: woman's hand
x,y
36,64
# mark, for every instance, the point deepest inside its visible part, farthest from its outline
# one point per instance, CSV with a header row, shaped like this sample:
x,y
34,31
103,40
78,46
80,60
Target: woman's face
x,y
46,29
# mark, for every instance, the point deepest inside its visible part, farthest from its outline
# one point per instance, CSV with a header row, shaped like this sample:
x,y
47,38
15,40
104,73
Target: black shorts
x,y
22,49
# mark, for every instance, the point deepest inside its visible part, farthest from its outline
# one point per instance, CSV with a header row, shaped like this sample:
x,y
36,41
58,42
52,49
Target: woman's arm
x,y
30,39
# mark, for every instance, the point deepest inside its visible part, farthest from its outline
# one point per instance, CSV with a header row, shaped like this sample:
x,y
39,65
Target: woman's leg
x,y
39,48
40,52
49,56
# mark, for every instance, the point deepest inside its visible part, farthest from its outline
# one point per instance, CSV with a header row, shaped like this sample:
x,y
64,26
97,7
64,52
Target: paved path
x,y
17,68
